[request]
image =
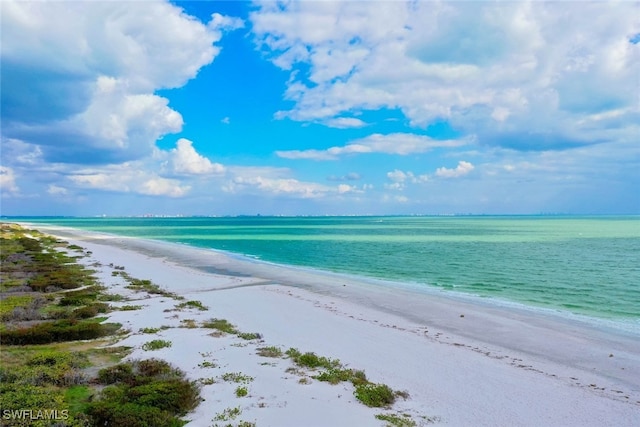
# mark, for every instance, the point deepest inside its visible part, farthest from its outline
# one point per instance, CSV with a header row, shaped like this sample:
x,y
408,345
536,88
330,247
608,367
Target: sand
x,y
463,361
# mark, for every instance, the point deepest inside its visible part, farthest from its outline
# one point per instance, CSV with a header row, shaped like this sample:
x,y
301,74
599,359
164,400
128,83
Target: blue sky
x,y
319,108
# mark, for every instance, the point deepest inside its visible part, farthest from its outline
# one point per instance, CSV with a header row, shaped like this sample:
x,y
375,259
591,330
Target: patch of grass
x,y
77,397
156,345
149,330
311,360
241,391
90,310
143,285
188,323
57,331
207,364
249,335
228,414
143,393
337,375
271,351
236,377
375,395
394,420
8,304
130,307
221,325
207,381
192,304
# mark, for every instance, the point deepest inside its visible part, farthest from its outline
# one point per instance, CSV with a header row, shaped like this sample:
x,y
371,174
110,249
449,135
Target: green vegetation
x,y
394,420
192,304
375,395
207,364
236,377
147,286
156,345
228,414
143,393
270,351
336,375
149,330
188,323
221,325
43,363
129,307
36,378
242,391
311,360
333,372
57,331
249,335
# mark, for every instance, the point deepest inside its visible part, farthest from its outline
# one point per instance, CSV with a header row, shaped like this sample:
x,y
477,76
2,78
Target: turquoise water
x,y
583,265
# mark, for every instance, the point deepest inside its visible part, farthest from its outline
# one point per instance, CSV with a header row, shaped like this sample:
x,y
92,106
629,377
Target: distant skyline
x,y
319,108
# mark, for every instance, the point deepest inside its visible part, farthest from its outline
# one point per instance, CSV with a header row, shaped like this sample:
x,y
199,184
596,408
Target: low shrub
x,y
192,304
312,360
143,393
394,420
249,335
221,325
117,414
241,391
91,310
236,377
375,395
156,345
337,375
57,331
271,351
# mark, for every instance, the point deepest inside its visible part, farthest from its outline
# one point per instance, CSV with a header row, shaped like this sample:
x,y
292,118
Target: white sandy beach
x,y
463,362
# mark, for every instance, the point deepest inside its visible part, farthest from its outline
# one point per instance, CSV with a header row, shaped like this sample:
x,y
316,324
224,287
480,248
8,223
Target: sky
x,y
319,107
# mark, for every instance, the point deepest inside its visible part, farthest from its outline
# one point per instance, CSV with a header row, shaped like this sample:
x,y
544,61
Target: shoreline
x,y
463,362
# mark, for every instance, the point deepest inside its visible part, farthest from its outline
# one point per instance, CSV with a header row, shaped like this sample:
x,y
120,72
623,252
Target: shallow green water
x,y
584,265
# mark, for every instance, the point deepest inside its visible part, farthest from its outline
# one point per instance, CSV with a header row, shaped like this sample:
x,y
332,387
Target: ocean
x,y
585,266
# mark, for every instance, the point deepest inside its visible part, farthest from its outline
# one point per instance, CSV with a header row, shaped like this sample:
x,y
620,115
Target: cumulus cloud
x,y
397,143
399,179
186,160
163,187
516,74
132,177
277,186
79,77
56,190
462,169
265,181
345,122
7,180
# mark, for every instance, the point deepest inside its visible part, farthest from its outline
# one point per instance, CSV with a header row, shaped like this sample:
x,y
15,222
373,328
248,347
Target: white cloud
x,y
186,160
7,180
277,186
396,143
56,190
132,177
227,23
79,77
261,181
345,122
163,187
518,74
399,179
462,169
